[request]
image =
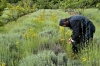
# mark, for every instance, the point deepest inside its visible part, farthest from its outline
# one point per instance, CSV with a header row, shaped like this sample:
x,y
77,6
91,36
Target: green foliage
x,y
33,37
44,58
2,5
78,3
50,4
44,4
47,4
98,6
91,55
1,22
13,1
24,37
15,11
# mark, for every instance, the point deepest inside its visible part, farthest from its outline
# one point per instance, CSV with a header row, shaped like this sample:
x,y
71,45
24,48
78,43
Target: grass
x,y
39,31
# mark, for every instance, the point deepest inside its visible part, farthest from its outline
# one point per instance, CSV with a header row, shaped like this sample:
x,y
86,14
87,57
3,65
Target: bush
x,y
44,58
1,23
2,5
98,6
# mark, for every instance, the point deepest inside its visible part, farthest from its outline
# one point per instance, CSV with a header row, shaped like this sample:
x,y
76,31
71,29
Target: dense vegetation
x,y
31,36
19,8
54,4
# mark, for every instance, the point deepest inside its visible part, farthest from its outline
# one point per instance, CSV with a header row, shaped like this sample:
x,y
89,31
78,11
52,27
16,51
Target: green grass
x,y
35,32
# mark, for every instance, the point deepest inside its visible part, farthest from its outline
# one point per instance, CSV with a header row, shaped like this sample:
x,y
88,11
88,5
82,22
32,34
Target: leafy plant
x,y
2,5
98,6
43,58
1,22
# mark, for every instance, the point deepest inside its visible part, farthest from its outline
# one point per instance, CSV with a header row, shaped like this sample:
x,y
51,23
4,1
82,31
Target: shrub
x,y
2,5
98,6
44,58
1,22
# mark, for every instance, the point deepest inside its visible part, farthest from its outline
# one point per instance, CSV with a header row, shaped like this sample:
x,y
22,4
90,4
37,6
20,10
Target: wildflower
x,y
30,32
17,43
61,29
84,59
25,35
68,32
30,29
53,15
34,34
3,64
62,39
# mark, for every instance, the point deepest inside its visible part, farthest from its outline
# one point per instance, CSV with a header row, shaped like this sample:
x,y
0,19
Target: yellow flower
x,y
17,42
30,33
84,59
25,35
62,39
34,34
61,29
53,15
31,28
3,64
68,32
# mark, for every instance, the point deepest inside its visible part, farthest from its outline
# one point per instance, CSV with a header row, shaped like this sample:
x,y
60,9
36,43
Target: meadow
x,y
36,39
